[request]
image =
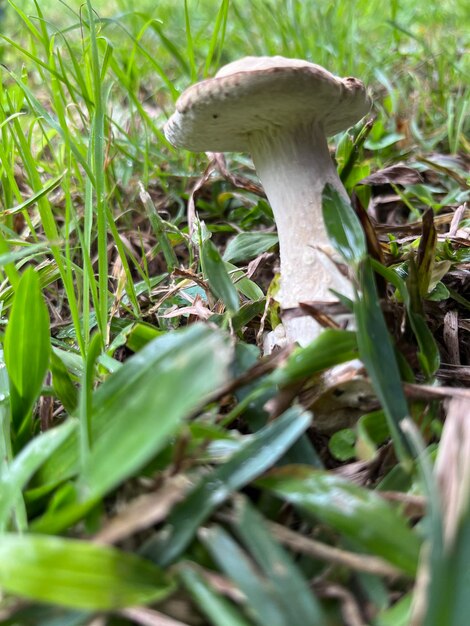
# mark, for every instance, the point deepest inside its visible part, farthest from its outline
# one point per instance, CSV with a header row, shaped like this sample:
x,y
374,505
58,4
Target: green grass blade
x,y
368,521
217,608
77,574
48,187
190,44
217,38
15,476
295,598
263,450
377,353
373,338
143,403
27,350
343,226
261,598
217,276
331,348
247,246
96,159
428,353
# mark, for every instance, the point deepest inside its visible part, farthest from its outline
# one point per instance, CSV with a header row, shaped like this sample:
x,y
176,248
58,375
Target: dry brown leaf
x,y
398,174
452,467
144,511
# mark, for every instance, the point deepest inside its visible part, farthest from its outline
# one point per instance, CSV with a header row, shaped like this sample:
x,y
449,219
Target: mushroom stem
x,y
294,164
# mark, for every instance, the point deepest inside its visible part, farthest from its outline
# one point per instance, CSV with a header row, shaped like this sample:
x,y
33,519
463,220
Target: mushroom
x,y
281,111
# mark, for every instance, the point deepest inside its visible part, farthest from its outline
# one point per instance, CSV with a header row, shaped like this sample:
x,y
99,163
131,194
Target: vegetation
x,y
157,469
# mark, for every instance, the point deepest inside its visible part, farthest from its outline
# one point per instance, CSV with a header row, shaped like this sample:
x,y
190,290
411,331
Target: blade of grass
x,y
369,522
265,447
292,590
217,608
373,339
80,574
97,161
17,474
27,349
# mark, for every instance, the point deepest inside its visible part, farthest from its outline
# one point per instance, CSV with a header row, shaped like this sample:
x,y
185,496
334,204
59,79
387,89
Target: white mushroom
x,y
281,111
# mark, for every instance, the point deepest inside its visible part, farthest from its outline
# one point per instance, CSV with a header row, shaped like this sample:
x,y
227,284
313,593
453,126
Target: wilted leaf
x,y
426,252
396,174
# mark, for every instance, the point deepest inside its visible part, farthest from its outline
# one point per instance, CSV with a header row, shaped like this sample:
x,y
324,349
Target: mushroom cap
x,y
260,94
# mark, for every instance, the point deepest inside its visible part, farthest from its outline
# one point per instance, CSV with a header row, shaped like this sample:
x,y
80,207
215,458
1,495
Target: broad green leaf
x,y
364,518
15,476
217,608
294,596
331,347
341,444
343,226
78,574
141,405
216,273
265,447
247,246
247,312
383,142
27,348
145,399
372,431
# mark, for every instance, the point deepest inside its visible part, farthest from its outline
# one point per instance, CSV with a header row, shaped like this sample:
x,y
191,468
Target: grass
x,y
156,468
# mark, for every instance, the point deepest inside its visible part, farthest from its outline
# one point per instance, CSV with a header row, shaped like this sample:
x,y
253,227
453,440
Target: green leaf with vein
x,y
27,350
139,407
16,475
78,574
247,246
363,517
217,276
343,226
